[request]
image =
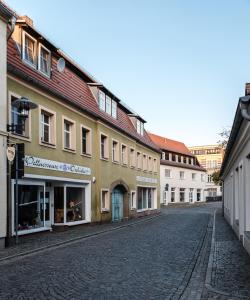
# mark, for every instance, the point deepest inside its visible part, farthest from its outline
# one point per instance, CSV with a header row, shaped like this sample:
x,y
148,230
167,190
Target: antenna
x,y
61,65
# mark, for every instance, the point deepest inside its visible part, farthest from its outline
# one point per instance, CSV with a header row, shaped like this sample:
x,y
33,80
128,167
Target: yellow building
x,y
210,158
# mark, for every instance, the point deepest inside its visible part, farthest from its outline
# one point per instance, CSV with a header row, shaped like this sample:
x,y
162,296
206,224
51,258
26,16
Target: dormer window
x,y
29,49
44,60
140,127
107,104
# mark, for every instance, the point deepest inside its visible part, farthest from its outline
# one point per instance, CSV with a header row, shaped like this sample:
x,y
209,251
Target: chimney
x,y
27,20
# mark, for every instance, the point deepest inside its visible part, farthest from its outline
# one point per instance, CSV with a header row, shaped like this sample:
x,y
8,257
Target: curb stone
x,y
72,240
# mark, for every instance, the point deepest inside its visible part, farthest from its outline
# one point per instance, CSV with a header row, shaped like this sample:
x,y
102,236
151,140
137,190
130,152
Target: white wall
x,y
175,182
237,184
3,114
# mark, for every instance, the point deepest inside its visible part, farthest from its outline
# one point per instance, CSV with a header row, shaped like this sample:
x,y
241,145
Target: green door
x,y
117,205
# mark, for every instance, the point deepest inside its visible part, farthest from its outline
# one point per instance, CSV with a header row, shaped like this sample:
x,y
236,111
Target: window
x,y
150,164
209,178
18,121
29,49
68,134
173,157
193,176
139,127
202,177
212,192
145,162
179,158
47,126
104,147
139,160
115,151
75,204
155,165
124,155
182,175
132,158
182,195
86,141
133,200
167,173
190,161
163,155
146,198
185,159
104,200
198,195
191,195
44,60
107,104
167,154
172,194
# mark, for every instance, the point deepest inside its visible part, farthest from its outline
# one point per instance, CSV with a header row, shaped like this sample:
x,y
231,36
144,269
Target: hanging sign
x,y
11,153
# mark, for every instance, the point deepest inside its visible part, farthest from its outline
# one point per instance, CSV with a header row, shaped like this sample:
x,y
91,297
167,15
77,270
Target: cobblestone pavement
x,y
163,258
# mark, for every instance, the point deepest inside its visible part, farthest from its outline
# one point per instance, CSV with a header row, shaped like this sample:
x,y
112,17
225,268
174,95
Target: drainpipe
x,y
244,105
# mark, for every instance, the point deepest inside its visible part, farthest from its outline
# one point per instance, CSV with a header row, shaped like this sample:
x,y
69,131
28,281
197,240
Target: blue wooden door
x,y
117,205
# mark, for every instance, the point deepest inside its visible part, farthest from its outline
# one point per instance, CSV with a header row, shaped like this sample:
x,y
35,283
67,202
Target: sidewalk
x,y
230,277
38,242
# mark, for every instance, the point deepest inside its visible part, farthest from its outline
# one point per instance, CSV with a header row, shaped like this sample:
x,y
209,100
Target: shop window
x,y
104,147
29,49
69,142
44,59
132,158
145,198
104,200
18,121
133,200
86,141
172,194
32,210
191,195
75,204
115,151
59,204
198,195
124,155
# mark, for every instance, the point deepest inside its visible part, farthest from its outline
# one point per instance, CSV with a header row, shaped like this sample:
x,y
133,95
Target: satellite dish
x,y
61,64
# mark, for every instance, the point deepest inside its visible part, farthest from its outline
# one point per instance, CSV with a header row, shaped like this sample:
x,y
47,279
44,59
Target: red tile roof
x,y
71,87
170,145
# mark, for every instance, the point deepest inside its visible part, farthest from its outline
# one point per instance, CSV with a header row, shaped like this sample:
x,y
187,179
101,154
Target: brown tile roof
x,y
70,86
170,145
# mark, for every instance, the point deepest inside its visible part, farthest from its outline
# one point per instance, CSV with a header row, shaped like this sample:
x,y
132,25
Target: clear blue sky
x,y
182,65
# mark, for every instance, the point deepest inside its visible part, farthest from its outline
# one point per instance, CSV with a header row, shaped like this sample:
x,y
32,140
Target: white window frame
x,y
72,137
155,162
132,157
24,34
116,151
139,160
52,127
144,162
182,177
194,176
124,157
150,164
133,200
114,109
107,201
40,46
102,106
169,173
106,147
88,141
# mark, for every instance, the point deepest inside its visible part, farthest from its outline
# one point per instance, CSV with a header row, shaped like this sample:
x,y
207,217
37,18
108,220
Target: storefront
x,y
44,201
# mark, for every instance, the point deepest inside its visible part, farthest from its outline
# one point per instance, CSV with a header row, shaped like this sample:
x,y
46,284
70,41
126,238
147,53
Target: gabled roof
x,y
170,145
72,86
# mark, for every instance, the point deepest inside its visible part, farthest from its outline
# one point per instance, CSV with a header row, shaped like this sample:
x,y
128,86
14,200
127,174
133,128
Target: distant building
x,y
181,176
210,158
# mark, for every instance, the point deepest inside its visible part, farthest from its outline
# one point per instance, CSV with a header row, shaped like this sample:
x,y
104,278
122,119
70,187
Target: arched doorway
x,y
119,199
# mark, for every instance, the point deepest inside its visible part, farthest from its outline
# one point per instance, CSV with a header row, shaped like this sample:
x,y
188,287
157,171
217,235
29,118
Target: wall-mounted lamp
x,y
23,105
244,105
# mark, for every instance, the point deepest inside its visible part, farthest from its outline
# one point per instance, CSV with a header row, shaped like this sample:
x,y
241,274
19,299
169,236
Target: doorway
x,y
117,204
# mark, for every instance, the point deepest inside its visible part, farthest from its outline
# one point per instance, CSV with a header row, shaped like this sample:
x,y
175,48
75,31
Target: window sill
x,y
44,74
132,167
86,155
21,137
115,162
104,159
73,151
124,165
133,208
49,145
28,63
105,211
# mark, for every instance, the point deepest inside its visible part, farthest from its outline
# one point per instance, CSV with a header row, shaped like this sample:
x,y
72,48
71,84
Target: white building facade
x,y
182,179
235,174
5,16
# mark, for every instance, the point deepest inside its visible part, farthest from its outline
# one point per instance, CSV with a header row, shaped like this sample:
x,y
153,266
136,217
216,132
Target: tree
x,y
216,177
225,134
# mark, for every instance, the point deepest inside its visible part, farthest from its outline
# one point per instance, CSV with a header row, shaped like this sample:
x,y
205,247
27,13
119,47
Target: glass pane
x,y
75,203
29,209
44,205
59,204
139,198
145,196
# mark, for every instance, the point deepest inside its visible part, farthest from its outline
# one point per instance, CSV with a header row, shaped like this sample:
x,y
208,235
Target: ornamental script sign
x,y
11,152
41,163
146,179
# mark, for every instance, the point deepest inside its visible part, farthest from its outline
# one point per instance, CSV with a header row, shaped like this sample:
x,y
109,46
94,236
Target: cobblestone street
x,y
165,257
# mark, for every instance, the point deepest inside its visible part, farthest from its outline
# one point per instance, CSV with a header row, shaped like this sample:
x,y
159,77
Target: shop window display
x,y
75,203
